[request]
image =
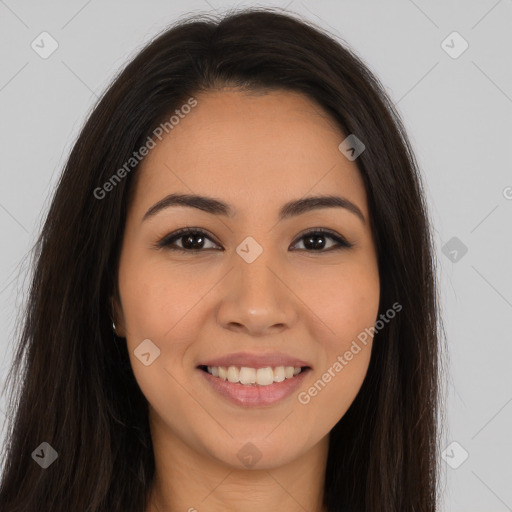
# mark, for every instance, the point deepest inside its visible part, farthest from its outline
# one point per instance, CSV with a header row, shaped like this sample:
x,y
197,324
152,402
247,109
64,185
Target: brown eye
x,y
196,240
190,239
317,240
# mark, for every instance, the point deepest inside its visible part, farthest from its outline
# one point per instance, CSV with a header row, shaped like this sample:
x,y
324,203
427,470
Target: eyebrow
x,y
290,209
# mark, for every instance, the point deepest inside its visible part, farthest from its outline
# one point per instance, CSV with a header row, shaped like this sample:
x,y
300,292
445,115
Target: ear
x,y
117,316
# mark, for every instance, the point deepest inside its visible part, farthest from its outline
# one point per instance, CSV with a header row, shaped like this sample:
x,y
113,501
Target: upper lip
x,y
255,360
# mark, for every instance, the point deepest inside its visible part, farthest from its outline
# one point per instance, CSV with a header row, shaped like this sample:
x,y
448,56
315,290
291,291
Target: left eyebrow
x,y
290,209
316,202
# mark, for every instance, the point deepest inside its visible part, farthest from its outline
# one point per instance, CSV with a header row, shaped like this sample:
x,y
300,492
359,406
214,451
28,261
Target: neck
x,y
189,481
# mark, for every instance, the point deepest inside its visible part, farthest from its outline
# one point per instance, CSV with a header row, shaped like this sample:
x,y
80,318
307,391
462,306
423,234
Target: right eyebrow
x,y
218,207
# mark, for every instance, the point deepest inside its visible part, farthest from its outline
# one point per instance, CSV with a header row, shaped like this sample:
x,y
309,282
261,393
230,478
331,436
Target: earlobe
x,y
117,318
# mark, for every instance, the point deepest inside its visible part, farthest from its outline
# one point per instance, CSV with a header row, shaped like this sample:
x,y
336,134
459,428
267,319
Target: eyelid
x,y
339,239
165,242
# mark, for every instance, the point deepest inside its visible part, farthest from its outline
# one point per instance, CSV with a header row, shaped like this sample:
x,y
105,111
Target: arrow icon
x,y
352,147
147,352
44,455
454,455
249,455
249,252
454,249
454,45
44,45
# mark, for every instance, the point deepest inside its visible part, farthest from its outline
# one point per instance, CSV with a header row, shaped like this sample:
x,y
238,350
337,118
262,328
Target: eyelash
x,y
167,241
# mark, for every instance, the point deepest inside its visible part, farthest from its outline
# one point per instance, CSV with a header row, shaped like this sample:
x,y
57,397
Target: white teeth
x,y
233,374
261,376
279,374
288,372
265,376
247,375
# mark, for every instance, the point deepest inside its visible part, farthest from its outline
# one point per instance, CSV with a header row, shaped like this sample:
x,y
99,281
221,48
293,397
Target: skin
x,y
254,152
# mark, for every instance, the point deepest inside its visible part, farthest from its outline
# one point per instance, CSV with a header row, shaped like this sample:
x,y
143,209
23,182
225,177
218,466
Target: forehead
x,y
266,147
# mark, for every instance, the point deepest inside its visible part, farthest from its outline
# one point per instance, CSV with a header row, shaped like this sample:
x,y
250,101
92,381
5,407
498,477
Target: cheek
x,y
332,391
160,308
347,303
155,300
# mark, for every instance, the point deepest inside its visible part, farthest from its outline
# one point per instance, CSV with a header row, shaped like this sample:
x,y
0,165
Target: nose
x,y
256,298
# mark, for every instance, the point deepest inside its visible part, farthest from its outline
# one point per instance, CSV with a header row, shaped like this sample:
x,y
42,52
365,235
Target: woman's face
x,y
257,291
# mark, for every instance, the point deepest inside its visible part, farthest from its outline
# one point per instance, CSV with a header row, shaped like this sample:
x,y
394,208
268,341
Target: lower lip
x,y
254,395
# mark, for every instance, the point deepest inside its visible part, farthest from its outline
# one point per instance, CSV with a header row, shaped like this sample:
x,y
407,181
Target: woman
x,y
234,301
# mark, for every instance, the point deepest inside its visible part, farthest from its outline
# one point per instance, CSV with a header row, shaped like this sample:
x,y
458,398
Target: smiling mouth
x,y
254,376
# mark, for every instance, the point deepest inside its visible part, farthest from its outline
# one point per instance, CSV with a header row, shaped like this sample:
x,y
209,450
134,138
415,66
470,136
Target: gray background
x,y
457,112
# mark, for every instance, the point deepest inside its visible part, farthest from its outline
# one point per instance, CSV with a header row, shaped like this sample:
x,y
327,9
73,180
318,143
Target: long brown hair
x,y
72,383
